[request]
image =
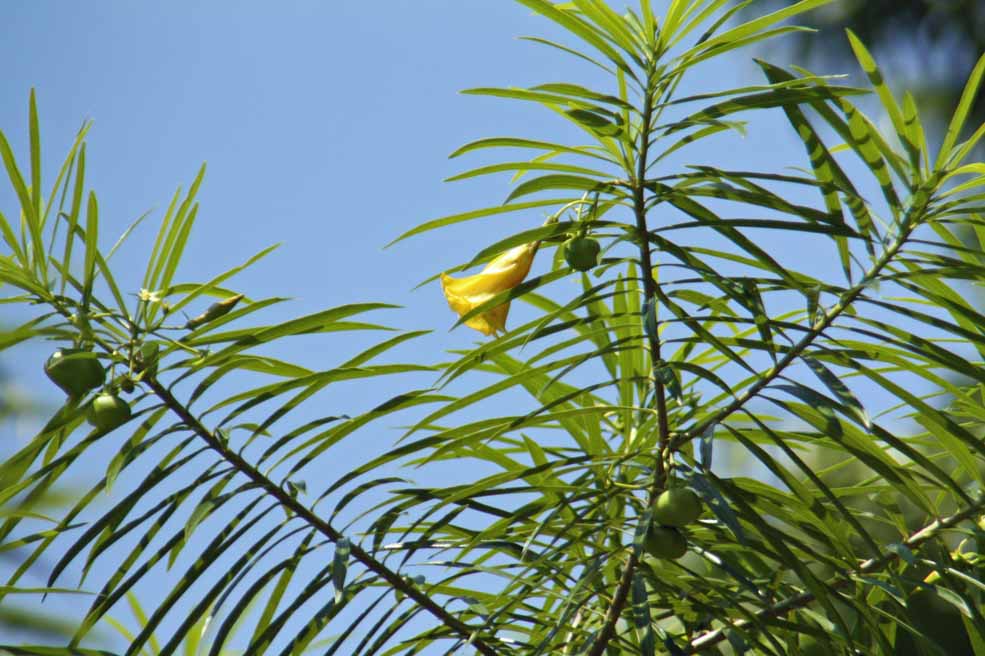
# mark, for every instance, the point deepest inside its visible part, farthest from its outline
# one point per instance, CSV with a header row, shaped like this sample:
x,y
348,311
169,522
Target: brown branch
x,y
323,527
869,566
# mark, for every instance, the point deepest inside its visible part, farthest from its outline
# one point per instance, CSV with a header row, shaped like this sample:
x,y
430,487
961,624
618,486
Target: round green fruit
x,y
75,371
581,253
676,507
664,542
108,411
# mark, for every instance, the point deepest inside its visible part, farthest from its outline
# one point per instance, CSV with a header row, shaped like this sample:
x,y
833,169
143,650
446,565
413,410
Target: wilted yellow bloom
x,y
504,272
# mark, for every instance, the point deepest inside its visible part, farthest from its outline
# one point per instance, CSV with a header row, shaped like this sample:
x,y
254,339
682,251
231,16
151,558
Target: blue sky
x,y
325,125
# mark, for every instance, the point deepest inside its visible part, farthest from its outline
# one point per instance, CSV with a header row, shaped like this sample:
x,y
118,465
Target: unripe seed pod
x,y
108,411
676,507
581,253
665,542
76,371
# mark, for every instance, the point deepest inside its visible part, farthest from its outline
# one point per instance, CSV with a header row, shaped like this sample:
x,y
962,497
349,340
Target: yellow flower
x,y
504,272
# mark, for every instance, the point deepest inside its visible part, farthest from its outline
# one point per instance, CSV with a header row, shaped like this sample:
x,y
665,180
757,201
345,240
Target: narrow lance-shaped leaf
x,y
968,97
340,563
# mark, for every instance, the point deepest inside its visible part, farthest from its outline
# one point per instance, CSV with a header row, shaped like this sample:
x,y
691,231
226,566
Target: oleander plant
x,y
707,449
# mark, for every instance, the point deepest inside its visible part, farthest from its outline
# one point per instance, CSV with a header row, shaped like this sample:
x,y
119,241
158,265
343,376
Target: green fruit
x,y
108,411
75,371
663,542
581,253
676,507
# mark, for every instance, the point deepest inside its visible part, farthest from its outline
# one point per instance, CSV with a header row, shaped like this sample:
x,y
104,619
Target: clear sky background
x,y
326,125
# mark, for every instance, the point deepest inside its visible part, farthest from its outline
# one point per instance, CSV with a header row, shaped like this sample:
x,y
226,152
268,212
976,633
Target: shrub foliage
x,y
686,344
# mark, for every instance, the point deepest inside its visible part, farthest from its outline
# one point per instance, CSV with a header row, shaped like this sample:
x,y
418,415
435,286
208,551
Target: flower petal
x,y
504,272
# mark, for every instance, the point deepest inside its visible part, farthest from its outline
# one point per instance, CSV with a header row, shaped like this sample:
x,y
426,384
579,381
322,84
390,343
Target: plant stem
x,y
663,426
326,529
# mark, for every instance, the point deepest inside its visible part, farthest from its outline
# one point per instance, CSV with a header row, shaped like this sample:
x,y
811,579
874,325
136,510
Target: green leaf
x,y
779,97
27,204
570,51
914,141
340,563
595,122
839,389
558,182
527,166
615,26
41,650
171,240
475,214
73,216
92,248
35,138
968,97
756,25
641,617
577,91
875,77
580,28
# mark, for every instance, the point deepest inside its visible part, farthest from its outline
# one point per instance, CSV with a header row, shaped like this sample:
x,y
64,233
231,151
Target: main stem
x,y
663,427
